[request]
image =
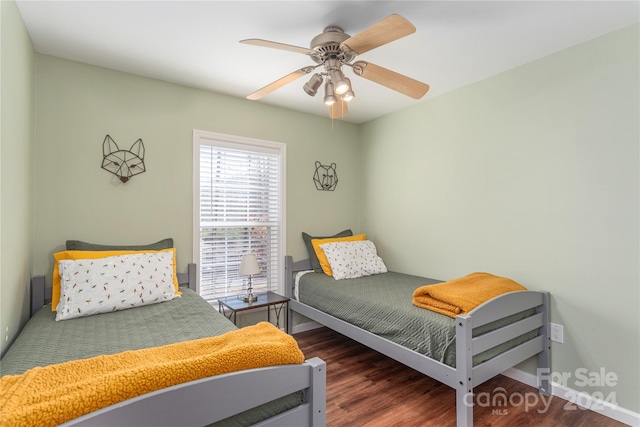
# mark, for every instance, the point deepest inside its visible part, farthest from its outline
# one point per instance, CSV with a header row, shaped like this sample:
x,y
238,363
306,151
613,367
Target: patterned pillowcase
x,y
315,263
322,258
350,260
92,286
85,255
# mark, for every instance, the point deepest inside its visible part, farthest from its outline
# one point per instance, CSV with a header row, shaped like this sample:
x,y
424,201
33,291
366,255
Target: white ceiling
x,y
196,43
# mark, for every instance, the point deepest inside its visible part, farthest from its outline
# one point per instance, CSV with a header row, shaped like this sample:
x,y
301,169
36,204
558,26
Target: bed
x,y
284,394
461,352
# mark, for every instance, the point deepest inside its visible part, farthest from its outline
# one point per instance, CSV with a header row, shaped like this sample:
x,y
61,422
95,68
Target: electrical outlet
x,y
557,333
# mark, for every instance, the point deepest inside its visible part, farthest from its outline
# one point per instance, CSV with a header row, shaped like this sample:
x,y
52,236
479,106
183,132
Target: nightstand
x,y
229,306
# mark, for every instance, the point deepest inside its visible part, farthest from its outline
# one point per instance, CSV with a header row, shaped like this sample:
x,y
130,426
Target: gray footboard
x,y
470,376
465,376
213,399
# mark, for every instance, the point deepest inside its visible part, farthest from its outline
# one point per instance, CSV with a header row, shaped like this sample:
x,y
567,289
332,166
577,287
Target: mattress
x,y
43,341
381,304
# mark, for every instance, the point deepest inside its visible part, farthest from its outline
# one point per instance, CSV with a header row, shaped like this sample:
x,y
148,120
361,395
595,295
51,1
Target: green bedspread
x,y
381,304
43,341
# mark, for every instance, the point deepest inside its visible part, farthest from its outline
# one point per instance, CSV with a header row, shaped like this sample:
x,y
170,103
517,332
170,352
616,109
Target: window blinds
x,y
239,214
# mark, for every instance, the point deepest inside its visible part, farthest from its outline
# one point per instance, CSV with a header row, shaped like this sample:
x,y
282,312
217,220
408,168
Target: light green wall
x,y
532,174
17,72
78,104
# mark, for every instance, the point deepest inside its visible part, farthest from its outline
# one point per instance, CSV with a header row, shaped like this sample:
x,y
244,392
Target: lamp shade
x,y
249,265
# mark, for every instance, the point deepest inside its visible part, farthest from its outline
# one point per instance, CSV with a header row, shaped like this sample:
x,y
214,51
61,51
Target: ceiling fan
x,y
334,49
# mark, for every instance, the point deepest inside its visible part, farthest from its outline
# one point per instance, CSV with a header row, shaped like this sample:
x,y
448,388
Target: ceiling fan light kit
x,y
333,49
349,94
329,97
311,87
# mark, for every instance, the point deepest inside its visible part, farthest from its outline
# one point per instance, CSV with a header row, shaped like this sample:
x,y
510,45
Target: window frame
x,y
243,143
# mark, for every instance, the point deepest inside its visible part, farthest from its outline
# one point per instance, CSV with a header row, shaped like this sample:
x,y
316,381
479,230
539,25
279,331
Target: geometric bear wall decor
x,y
123,163
325,177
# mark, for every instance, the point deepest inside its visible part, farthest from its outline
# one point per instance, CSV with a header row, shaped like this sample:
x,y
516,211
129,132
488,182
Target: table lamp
x,y
249,267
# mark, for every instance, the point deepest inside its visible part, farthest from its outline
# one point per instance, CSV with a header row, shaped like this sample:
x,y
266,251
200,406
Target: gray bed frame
x,y
212,399
465,376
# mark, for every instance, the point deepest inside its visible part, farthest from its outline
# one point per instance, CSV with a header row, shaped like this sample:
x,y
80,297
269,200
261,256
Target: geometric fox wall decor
x,y
122,163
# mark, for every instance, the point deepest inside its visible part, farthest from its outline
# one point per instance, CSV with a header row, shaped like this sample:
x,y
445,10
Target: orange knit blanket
x,y
463,294
50,395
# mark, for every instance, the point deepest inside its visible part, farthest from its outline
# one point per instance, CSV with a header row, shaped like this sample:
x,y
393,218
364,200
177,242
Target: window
x,y
238,209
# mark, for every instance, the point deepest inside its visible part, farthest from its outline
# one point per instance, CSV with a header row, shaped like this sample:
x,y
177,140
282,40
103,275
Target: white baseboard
x,y
574,397
304,327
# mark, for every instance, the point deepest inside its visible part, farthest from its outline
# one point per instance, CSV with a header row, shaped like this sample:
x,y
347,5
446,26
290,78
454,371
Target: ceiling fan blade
x,y
391,79
282,46
279,83
389,29
338,109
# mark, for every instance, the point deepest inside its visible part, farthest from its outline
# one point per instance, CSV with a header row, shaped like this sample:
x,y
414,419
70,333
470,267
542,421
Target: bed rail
x,y
213,399
464,377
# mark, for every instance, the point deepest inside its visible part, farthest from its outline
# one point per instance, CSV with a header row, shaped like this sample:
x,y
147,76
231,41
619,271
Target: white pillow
x,y
349,260
92,286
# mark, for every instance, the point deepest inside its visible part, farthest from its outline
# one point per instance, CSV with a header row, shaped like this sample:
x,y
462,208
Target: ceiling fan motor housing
x,y
328,43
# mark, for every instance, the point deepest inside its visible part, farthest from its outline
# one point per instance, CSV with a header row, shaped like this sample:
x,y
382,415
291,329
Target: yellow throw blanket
x,y
50,395
463,294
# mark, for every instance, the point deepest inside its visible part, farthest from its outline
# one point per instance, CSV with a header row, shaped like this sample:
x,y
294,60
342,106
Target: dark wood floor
x,y
365,388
